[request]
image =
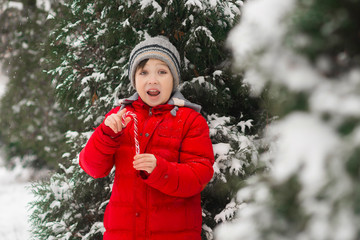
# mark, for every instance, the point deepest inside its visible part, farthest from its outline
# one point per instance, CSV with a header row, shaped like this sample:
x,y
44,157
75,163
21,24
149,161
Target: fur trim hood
x,y
176,99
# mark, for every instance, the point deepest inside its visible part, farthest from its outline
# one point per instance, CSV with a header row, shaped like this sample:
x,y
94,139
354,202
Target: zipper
x,y
150,112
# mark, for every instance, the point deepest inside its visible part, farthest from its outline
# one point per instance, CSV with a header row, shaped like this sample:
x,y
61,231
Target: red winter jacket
x,y
164,205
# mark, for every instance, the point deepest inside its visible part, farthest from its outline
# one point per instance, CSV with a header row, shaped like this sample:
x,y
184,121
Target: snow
x,y
221,149
280,64
206,31
146,3
304,145
13,4
245,124
227,213
14,198
307,144
44,4
253,33
343,100
3,81
191,3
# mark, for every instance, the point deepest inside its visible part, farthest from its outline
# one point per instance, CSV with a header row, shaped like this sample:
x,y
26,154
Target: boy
x,y
160,146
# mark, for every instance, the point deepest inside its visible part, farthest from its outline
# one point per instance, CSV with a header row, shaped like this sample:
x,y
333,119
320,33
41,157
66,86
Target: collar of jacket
x,y
176,100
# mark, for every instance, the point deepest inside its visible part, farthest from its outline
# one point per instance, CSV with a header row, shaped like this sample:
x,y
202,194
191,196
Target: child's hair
x,y
141,65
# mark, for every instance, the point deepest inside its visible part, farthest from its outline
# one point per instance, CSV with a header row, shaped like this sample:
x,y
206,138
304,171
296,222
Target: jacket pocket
x,y
118,216
169,217
170,129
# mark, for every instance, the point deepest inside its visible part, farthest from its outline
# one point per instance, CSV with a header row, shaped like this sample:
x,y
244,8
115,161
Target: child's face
x,y
154,82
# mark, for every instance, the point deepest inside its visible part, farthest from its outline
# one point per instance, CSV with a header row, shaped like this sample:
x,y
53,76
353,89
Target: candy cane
x,y
136,133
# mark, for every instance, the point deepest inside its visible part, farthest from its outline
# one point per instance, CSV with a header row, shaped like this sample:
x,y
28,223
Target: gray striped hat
x,y
159,48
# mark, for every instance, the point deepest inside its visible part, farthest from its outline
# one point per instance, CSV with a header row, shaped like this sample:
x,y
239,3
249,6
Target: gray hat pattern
x,y
159,48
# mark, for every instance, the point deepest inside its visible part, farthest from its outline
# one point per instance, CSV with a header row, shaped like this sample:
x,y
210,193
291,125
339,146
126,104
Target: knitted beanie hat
x,y
159,48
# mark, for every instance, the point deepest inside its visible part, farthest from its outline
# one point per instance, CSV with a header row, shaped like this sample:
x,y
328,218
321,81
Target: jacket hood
x,y
176,99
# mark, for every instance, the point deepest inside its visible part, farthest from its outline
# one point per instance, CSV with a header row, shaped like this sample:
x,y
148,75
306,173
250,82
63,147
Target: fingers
x,y
110,122
120,113
127,120
118,122
114,121
145,162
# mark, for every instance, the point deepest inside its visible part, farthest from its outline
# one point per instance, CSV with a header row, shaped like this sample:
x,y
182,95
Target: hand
x,y
145,162
114,121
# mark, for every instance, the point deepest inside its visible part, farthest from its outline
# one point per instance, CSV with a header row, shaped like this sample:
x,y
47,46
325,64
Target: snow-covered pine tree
x,y
32,126
91,44
307,53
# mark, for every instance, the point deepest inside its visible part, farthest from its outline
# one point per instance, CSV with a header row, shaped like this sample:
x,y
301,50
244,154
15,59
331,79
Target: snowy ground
x,y
14,199
14,195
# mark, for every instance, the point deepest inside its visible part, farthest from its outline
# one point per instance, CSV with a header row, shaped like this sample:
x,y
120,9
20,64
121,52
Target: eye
x,y
163,72
143,72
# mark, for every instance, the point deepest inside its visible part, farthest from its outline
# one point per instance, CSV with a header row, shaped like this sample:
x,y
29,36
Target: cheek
x,y
168,90
170,84
138,84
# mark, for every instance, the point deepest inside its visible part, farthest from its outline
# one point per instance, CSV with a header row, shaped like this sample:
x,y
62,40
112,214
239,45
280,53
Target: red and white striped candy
x,y
136,133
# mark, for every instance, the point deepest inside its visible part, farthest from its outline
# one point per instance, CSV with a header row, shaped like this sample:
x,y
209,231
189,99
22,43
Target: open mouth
x,y
153,92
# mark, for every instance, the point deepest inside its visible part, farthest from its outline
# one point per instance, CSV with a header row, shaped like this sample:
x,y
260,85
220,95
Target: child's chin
x,y
152,103
152,99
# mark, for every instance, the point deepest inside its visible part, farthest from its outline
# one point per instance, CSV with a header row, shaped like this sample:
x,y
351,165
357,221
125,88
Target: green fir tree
x,y
308,63
32,125
90,47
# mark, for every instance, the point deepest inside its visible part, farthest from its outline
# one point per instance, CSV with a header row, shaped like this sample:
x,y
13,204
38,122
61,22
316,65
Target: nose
x,y
152,79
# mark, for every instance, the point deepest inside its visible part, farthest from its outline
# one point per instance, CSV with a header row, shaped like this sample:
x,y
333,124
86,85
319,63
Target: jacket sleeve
x,y
194,170
97,157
